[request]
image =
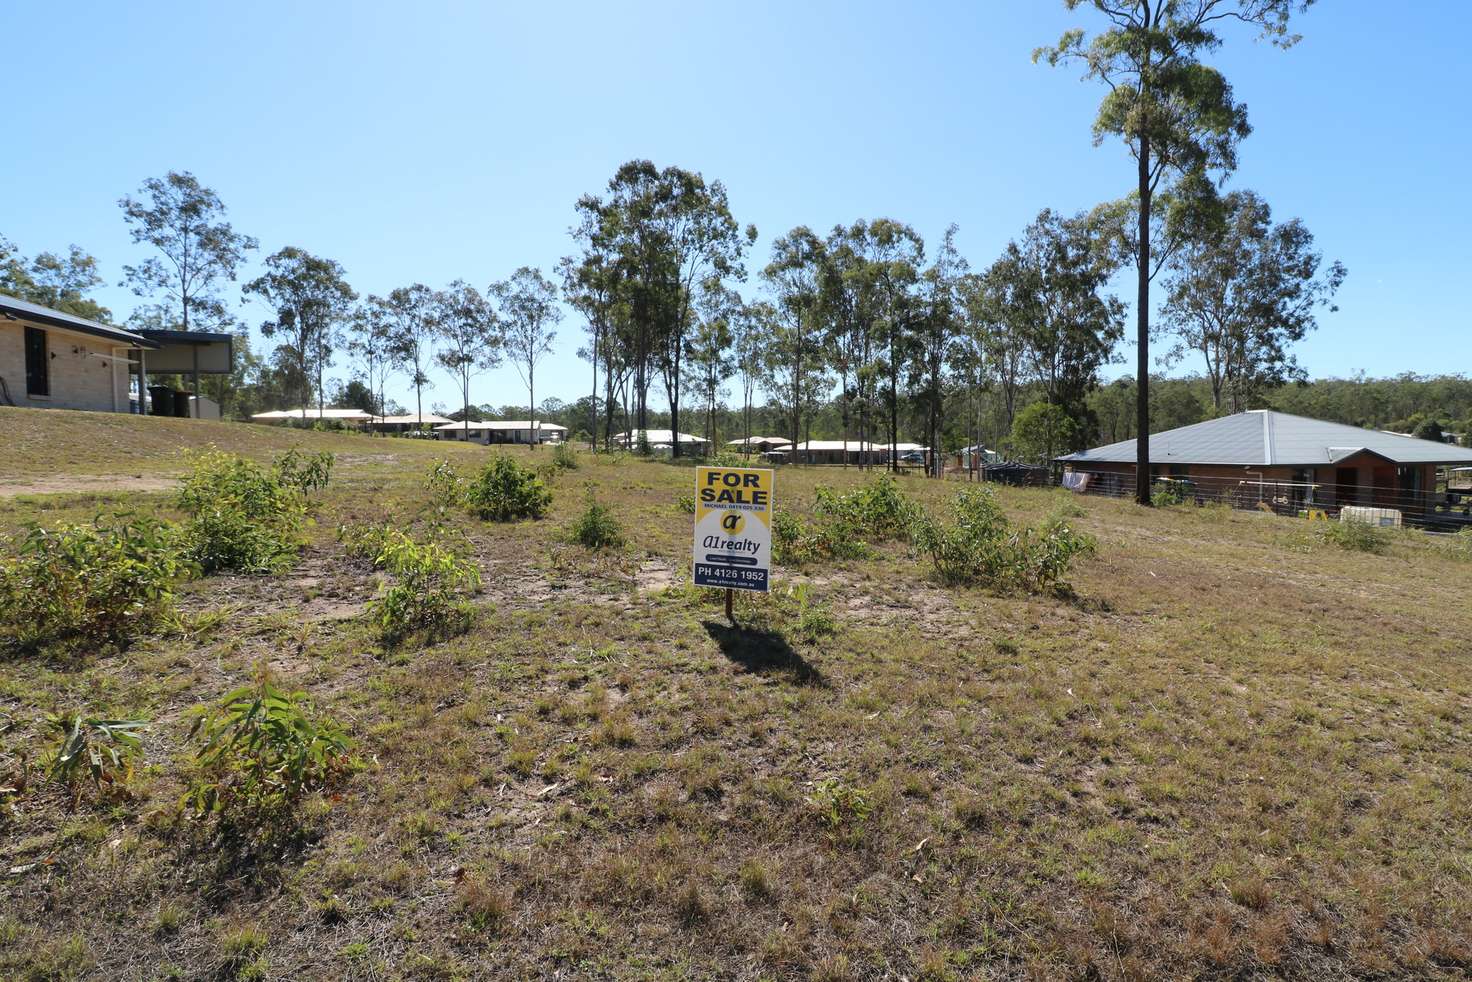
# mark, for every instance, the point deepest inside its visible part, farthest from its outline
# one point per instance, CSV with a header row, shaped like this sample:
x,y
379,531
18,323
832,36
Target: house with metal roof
x,y
1282,459
503,431
52,359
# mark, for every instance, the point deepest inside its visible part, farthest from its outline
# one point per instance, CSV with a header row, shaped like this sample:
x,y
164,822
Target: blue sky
x,y
436,141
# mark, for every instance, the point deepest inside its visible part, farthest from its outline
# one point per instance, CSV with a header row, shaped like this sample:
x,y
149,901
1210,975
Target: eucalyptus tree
x,y
941,324
749,347
1174,113
670,231
795,276
51,280
370,342
892,268
409,312
529,314
709,351
470,336
848,301
1241,292
185,222
310,299
792,373
1055,282
590,284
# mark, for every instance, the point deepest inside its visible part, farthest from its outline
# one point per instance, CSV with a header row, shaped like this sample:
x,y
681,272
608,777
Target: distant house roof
x,y
656,436
853,446
1267,438
501,425
762,440
325,413
25,310
412,419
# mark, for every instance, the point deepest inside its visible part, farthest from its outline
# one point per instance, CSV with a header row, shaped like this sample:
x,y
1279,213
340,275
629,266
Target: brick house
x,y
52,359
1277,459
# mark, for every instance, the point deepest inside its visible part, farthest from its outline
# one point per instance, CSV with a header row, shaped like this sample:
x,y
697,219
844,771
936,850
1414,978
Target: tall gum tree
x,y
470,338
185,222
1174,113
1240,292
529,314
311,299
410,311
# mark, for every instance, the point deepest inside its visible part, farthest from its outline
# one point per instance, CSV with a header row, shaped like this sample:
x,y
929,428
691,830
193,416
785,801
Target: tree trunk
x,y
1142,333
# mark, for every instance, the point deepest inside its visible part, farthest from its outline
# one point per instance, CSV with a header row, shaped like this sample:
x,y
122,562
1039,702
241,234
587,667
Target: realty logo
x,y
733,522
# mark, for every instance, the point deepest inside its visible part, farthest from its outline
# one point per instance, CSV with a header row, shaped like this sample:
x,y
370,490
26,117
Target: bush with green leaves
x,y
261,749
878,511
504,491
814,619
596,528
308,473
796,542
243,517
1164,494
980,546
424,597
100,749
103,583
445,486
564,457
1354,536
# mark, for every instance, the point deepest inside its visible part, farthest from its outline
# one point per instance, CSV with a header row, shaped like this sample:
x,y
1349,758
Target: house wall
x,y
1120,478
78,379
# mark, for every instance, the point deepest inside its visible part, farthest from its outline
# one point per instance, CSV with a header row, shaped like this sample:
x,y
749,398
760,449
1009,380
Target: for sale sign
x,y
733,527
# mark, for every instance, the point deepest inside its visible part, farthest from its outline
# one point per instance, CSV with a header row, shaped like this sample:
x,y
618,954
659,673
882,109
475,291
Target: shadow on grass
x,y
764,652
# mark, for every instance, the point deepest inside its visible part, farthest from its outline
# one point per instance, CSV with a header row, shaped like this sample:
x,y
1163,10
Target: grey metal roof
x,y
37,314
1267,438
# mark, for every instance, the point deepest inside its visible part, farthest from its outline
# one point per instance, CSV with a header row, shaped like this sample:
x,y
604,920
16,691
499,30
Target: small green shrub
x,y
505,491
444,484
101,749
307,473
686,503
104,583
424,597
981,546
242,516
814,620
1163,494
596,528
841,809
261,750
564,457
1354,536
878,511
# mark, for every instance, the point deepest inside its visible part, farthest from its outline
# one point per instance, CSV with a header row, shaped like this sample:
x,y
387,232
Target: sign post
x,y
733,529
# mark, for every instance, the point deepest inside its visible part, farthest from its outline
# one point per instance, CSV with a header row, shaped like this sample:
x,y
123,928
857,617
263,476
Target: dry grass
x,y
1226,754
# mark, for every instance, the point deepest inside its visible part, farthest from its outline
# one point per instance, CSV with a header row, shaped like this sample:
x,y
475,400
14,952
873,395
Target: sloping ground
x,y
51,450
1232,752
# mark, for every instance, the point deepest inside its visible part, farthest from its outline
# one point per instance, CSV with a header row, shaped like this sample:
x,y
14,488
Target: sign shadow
x,y
763,652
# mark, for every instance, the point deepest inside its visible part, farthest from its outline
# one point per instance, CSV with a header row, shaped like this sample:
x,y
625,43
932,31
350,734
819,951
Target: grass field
x,y
1231,751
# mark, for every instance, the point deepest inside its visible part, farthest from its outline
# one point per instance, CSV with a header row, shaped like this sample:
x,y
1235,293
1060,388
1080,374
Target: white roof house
x,y
761,441
502,426
276,415
655,437
411,419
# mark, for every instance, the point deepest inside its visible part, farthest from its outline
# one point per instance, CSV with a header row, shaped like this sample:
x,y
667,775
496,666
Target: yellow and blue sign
x,y
733,527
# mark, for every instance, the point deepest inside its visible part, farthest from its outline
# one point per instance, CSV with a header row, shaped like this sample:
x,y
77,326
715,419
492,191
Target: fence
x,y
1447,510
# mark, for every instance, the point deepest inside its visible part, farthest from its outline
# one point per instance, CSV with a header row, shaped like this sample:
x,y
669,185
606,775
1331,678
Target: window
x,y
38,372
